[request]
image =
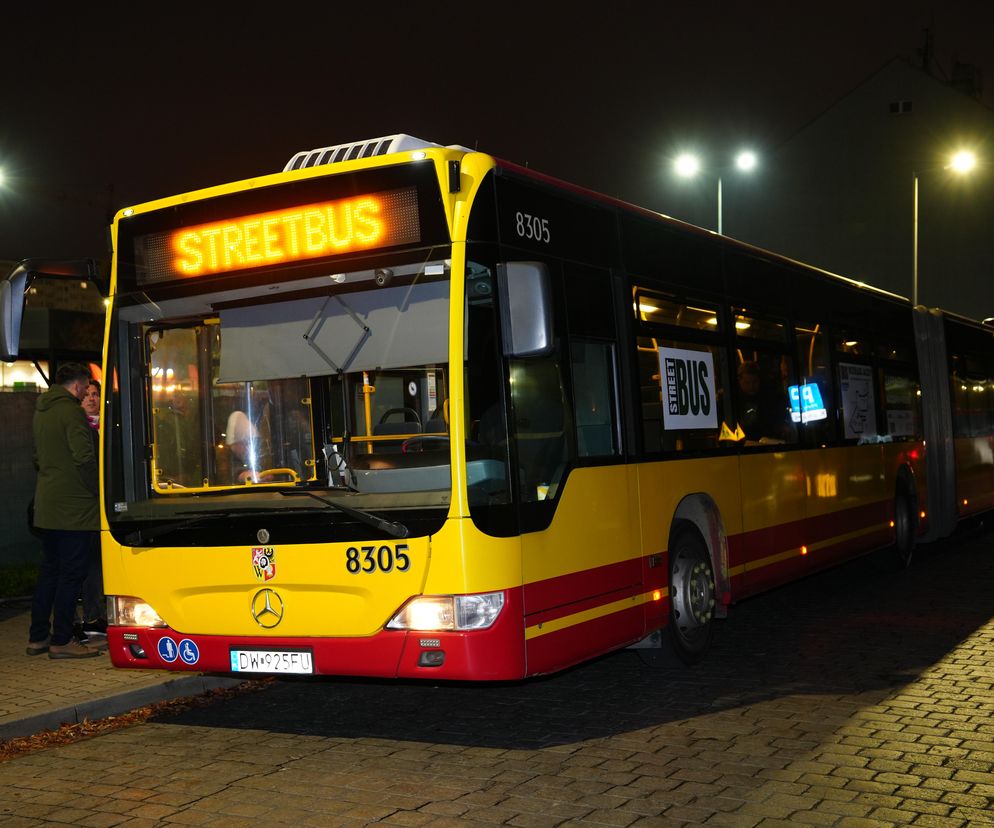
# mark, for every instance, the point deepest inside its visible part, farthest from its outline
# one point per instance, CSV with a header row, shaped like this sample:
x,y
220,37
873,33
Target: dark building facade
x,y
839,193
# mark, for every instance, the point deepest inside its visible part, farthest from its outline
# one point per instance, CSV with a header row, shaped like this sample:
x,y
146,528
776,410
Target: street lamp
x,y
960,163
687,165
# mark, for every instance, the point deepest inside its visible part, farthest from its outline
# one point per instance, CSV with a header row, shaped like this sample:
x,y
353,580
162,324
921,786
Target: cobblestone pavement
x,y
858,697
38,692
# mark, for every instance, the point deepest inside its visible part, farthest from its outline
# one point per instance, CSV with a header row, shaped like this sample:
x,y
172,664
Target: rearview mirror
x,y
12,293
525,308
11,310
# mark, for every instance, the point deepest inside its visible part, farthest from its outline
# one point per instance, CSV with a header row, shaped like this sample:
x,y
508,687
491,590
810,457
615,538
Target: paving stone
x,y
849,699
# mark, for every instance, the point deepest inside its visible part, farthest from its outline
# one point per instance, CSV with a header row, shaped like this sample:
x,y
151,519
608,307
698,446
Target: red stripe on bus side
x,y
608,580
575,592
543,617
571,645
808,531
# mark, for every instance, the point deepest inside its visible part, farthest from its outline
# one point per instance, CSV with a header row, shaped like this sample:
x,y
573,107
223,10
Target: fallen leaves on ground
x,y
69,733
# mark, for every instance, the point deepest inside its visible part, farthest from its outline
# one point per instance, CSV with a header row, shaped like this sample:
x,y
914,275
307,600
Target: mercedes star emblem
x,y
263,536
267,608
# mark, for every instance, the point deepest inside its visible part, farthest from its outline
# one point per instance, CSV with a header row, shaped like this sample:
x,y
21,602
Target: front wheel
x,y
692,597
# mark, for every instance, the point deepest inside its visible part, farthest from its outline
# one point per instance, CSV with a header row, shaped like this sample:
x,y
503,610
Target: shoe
x,y
37,647
94,642
71,650
96,628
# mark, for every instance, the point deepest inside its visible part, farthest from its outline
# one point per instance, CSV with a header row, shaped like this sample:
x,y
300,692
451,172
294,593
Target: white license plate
x,y
272,661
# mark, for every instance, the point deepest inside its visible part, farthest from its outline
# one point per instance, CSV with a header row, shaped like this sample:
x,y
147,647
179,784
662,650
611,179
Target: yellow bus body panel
x,y
596,524
210,591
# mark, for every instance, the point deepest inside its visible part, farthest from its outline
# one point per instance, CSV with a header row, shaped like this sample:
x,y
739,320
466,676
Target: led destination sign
x,y
299,233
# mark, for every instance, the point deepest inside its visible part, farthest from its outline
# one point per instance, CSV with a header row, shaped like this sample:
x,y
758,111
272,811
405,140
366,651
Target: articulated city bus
x,y
404,410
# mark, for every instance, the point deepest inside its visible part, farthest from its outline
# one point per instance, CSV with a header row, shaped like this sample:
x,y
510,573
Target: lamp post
x,y
961,163
688,165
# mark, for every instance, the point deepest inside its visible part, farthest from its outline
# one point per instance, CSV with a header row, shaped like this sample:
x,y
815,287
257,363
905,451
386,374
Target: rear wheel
x,y
692,597
905,524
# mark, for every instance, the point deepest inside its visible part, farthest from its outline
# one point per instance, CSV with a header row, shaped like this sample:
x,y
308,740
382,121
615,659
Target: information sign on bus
x,y
806,404
298,233
687,380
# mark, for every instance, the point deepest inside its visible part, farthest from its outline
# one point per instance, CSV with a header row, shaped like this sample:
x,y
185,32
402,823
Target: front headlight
x,y
128,611
449,612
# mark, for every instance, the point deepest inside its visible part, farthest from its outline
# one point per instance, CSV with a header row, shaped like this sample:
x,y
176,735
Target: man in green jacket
x,y
66,509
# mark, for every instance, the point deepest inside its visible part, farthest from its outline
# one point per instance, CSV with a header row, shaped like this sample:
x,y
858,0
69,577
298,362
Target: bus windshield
x,y
339,384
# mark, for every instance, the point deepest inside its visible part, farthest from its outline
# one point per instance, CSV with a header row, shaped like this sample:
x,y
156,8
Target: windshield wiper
x,y
150,536
396,530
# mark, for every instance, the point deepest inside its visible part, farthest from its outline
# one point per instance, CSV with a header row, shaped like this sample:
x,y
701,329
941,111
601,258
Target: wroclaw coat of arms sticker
x,y
264,562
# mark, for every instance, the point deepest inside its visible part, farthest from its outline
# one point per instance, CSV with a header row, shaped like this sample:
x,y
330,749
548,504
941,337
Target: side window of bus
x,y
959,396
900,390
970,396
856,388
902,404
594,396
681,412
858,402
542,422
542,428
177,430
591,323
764,377
487,445
989,394
812,399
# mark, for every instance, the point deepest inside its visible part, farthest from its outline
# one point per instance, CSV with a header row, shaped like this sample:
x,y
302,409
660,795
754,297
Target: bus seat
x,y
436,426
410,424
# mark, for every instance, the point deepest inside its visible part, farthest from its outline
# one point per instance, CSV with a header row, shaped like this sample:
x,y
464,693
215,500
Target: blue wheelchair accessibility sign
x,y
188,651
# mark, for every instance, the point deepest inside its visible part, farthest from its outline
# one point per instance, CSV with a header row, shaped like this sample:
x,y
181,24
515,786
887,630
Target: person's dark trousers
x,y
66,559
93,584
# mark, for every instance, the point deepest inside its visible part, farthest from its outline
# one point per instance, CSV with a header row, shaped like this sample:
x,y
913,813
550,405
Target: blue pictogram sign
x,y
188,651
167,649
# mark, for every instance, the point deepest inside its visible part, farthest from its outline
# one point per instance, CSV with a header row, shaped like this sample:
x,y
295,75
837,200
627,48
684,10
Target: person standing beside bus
x,y
91,405
66,508
94,623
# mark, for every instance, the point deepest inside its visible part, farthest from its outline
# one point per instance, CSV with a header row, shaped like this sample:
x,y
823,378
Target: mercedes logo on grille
x,y
267,608
263,536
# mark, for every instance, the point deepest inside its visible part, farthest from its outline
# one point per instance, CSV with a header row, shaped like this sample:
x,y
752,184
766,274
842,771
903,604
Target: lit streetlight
x,y
961,163
687,165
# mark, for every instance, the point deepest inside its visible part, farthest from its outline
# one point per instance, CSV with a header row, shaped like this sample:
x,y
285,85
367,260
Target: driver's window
x,y
177,433
209,433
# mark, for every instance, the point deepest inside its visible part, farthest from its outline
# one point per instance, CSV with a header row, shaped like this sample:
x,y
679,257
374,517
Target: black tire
x,y
692,597
905,524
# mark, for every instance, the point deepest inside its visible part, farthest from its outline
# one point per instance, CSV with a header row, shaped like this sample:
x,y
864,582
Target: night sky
x,y
109,108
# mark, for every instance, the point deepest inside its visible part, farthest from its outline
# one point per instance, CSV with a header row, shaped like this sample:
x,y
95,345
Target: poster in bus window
x,y
688,386
858,405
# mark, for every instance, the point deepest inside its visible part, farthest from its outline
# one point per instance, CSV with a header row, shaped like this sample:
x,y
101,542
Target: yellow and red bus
x,y
405,410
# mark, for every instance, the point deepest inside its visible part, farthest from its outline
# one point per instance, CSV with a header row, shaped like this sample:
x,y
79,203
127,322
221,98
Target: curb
x,y
115,704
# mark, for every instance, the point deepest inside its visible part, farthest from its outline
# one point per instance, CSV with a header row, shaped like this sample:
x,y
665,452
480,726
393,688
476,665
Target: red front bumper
x,y
494,654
